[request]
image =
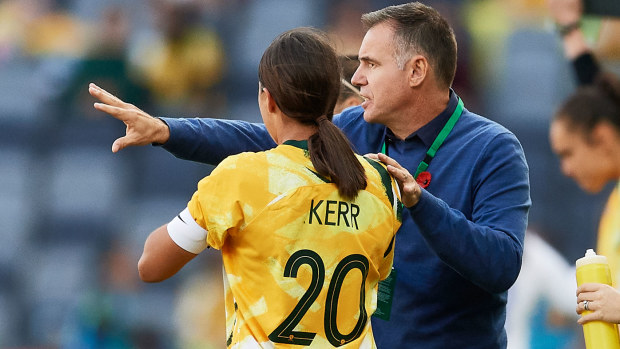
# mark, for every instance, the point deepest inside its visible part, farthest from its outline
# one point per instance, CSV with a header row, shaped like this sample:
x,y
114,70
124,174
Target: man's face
x,y
385,87
583,160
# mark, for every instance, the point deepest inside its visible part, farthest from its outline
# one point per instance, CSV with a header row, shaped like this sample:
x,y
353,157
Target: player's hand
x,y
142,128
603,303
410,191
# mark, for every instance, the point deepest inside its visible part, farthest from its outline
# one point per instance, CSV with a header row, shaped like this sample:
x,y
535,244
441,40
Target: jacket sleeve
x,y
488,248
212,140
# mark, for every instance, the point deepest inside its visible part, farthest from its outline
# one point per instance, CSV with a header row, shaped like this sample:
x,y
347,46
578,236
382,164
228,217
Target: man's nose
x,y
358,79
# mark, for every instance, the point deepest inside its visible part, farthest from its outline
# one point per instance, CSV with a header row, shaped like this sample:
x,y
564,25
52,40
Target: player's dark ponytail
x,y
331,155
302,72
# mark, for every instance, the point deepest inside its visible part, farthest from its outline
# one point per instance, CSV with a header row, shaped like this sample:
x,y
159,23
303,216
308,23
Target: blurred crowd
x,y
73,215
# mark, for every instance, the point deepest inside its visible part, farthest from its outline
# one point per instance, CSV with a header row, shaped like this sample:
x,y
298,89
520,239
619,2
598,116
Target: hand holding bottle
x,y
593,268
603,303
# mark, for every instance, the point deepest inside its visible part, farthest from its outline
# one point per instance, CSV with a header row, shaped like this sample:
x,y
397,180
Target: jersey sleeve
x,y
386,188
229,197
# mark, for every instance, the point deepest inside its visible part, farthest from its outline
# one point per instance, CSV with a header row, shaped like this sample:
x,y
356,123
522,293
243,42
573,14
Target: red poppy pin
x,y
424,179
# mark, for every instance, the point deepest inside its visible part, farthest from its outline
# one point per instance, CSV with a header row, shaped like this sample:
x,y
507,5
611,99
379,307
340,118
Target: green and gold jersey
x,y
301,263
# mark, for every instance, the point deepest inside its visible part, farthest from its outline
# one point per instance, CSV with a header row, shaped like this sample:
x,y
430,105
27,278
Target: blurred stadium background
x,y
74,216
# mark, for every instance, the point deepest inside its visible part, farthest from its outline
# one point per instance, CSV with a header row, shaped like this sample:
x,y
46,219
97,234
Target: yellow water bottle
x,y
597,334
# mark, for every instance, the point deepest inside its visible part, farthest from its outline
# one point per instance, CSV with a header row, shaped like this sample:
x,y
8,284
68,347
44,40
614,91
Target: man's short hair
x,y
419,29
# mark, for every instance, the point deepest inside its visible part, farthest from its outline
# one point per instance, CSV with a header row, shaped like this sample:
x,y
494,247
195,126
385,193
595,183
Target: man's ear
x,y
418,69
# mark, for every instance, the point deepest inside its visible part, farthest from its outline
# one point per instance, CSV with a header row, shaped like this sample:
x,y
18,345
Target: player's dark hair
x,y
419,29
593,104
301,71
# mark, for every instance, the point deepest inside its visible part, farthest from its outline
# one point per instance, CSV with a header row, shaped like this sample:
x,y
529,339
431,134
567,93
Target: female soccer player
x,y
306,229
585,133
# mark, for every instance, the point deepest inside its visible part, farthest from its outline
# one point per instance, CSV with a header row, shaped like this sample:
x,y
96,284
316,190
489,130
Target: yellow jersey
x,y
608,242
301,264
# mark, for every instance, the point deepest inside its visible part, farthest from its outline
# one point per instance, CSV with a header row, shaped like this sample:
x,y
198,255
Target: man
x,y
460,246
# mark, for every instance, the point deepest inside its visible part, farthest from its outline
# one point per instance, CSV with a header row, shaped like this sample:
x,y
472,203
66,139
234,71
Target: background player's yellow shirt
x,y
301,263
608,241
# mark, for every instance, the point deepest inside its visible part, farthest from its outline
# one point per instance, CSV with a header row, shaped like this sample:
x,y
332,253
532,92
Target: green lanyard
x,y
441,137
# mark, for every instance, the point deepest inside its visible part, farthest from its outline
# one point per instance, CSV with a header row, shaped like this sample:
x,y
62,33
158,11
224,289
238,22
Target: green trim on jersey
x,y
385,178
321,177
298,144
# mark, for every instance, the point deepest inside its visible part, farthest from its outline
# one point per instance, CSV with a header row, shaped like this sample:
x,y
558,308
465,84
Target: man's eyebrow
x,y
367,59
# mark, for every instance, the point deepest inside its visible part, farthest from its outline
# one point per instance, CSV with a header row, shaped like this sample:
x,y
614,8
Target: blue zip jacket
x,y
459,249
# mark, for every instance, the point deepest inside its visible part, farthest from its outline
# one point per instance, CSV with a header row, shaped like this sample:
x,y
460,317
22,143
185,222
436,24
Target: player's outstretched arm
x,y
142,128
